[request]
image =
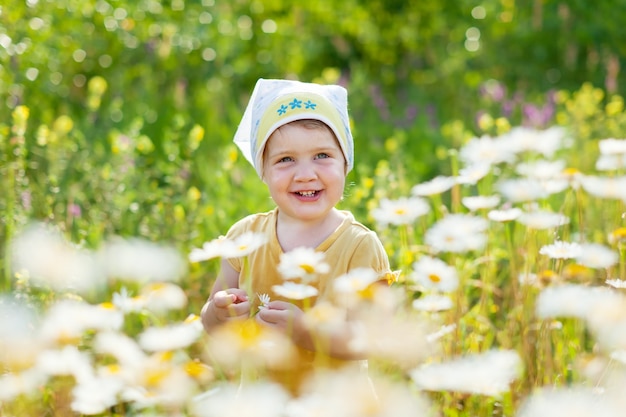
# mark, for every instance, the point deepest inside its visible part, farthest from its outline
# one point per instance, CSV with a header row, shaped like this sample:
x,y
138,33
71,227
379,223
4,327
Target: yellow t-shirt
x,y
352,245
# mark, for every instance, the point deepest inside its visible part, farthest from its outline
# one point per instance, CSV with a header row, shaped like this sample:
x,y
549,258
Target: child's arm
x,y
289,319
227,301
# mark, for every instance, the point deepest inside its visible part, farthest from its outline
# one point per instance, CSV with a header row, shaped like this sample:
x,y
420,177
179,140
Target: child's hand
x,y
285,317
226,305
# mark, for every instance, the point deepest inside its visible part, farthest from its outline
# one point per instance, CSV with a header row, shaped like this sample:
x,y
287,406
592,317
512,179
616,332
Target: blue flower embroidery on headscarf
x,y
310,105
282,110
296,103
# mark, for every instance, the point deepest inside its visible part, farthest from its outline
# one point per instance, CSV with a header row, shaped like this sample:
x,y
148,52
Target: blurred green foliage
x,y
116,117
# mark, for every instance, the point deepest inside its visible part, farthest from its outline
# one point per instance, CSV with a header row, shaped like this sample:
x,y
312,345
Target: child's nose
x,y
304,172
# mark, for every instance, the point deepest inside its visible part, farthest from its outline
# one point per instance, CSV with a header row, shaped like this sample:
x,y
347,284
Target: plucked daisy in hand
x,y
264,299
302,263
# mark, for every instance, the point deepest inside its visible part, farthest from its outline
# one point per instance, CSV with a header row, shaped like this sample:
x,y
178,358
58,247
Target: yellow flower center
x,y
307,268
434,278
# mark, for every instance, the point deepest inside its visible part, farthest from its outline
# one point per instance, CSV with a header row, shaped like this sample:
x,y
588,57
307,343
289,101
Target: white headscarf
x,y
275,103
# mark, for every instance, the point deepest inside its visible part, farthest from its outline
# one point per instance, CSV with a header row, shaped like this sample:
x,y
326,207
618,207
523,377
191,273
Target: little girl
x,y
297,136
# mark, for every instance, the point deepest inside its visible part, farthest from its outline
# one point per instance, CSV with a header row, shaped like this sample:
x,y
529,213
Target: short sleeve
x,y
370,253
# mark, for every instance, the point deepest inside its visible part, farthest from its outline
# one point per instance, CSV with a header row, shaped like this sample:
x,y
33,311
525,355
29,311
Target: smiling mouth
x,y
307,193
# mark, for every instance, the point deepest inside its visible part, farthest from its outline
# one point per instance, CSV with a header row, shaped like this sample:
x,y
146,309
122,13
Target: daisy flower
x,y
595,255
432,303
264,299
240,246
521,190
545,142
541,169
612,146
573,300
302,263
50,260
172,337
568,402
434,274
541,219
561,250
96,395
350,393
355,280
473,173
611,162
457,233
295,291
138,260
479,202
437,185
605,187
163,296
236,342
256,399
401,211
616,283
489,373
486,150
505,215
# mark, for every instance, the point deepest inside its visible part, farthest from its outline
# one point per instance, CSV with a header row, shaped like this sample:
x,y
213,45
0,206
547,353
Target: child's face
x,y
304,169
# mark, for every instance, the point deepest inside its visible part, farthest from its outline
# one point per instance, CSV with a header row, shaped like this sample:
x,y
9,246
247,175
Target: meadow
x,y
504,215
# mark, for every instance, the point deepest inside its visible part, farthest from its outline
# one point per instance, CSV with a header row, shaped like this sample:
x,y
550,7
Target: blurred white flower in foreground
x,y
612,146
486,150
139,260
573,300
222,247
19,340
437,185
433,303
504,215
521,190
545,142
351,287
249,400
457,233
616,283
14,384
172,337
404,210
595,255
96,395
294,290
302,263
489,373
541,169
47,258
542,219
434,274
561,250
67,320
605,187
349,393
236,342
473,173
570,402
479,202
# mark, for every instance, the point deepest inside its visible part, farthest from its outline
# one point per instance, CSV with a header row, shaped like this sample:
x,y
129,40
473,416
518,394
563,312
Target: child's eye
x,y
322,155
285,159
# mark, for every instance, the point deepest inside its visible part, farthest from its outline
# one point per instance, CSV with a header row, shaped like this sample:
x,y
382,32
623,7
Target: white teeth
x,y
307,193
